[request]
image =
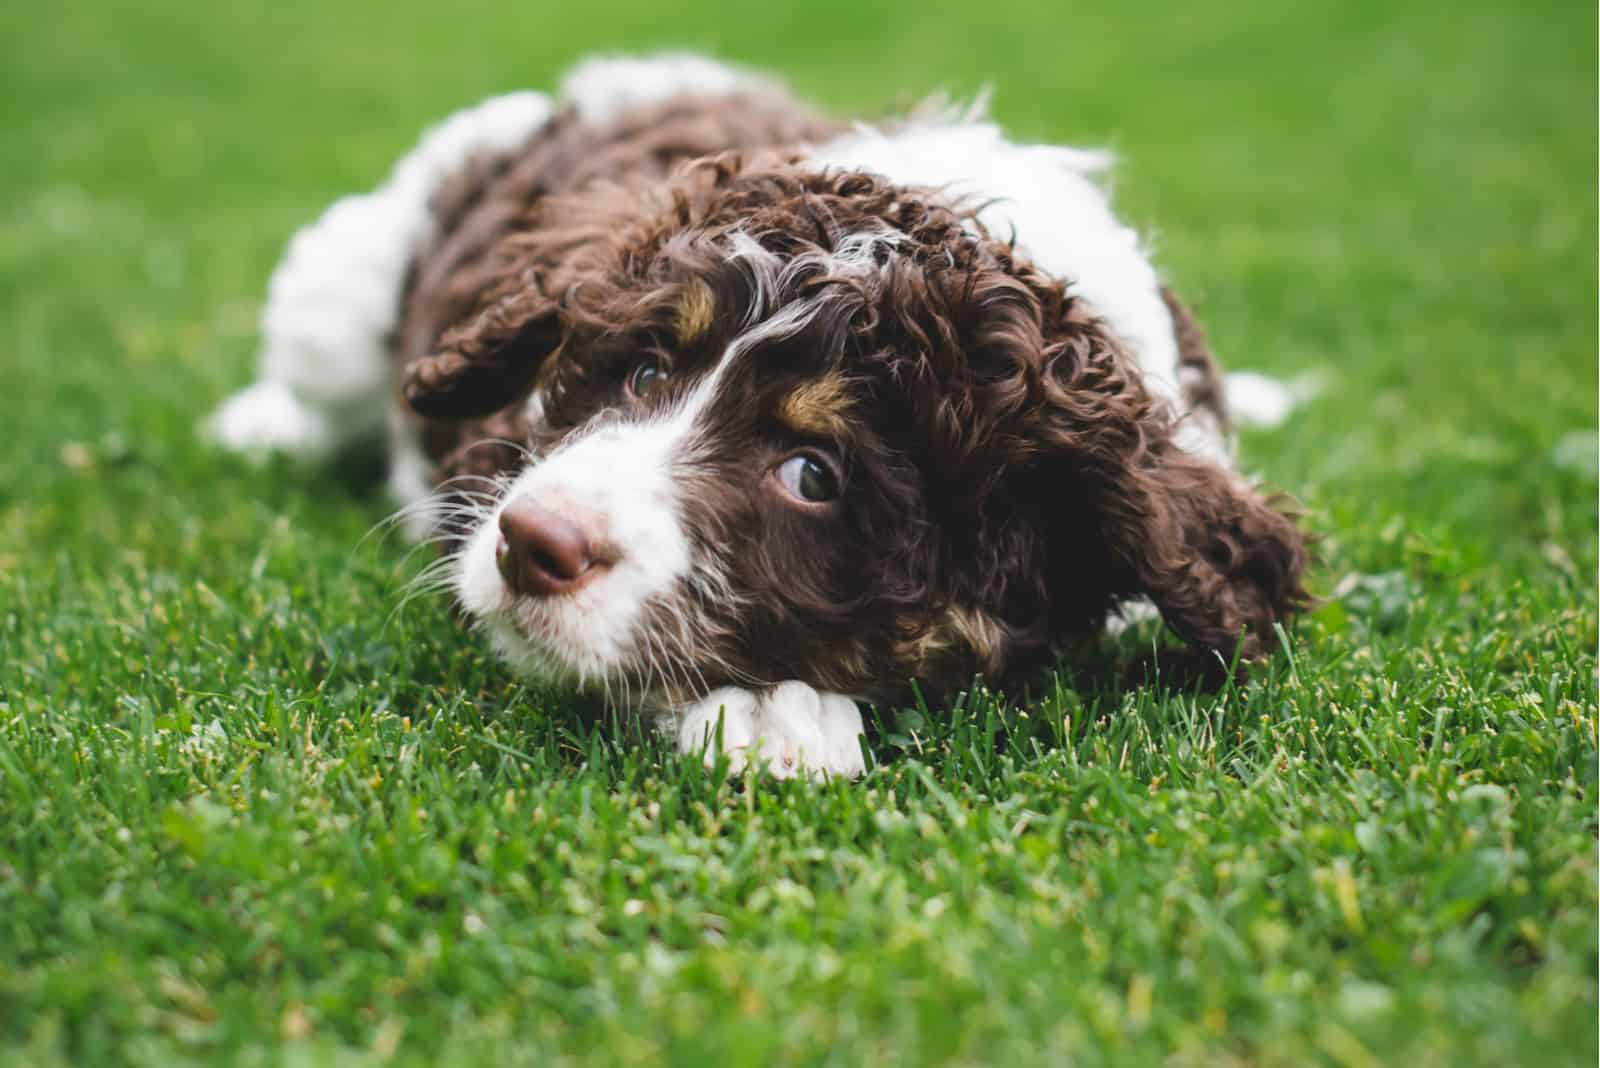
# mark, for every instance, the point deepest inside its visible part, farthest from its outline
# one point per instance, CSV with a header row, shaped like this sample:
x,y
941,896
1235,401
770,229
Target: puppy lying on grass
x,y
745,415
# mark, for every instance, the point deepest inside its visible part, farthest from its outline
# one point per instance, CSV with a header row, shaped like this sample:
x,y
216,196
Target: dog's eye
x,y
647,378
808,479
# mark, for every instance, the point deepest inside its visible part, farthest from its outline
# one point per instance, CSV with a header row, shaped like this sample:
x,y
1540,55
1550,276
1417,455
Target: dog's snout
x,y
541,552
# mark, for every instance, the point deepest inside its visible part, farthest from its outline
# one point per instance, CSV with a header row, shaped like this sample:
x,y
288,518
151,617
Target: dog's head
x,y
789,424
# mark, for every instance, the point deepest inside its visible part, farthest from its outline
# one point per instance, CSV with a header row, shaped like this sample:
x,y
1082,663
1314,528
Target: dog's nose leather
x,y
541,552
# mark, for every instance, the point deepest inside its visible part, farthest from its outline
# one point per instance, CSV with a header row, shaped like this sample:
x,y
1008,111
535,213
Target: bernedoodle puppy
x,y
744,415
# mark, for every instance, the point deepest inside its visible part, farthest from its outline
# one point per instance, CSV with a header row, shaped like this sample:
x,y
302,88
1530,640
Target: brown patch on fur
x,y
696,310
817,407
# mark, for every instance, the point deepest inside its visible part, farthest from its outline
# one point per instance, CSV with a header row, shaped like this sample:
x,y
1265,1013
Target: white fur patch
x,y
334,299
853,256
605,87
267,417
789,730
497,124
1261,401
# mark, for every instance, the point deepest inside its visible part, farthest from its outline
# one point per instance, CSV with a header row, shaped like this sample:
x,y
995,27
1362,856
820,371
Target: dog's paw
x,y
266,418
1262,402
730,711
790,730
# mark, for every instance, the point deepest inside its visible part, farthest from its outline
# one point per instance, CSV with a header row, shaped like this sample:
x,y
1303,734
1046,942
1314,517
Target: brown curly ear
x,y
486,362
1218,558
1128,512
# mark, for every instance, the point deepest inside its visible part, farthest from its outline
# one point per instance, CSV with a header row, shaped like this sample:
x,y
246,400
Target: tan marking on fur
x,y
979,631
696,311
925,648
816,407
958,627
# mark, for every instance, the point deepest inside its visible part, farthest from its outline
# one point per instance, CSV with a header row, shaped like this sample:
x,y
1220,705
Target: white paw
x,y
791,730
268,417
729,709
1261,401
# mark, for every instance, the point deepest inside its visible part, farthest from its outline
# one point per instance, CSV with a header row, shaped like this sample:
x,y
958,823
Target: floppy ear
x,y
1215,555
487,361
1135,514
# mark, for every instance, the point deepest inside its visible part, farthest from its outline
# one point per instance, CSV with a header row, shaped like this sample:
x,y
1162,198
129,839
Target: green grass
x,y
251,814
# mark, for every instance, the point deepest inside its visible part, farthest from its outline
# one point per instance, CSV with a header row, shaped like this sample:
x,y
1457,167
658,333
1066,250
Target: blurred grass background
x,y
248,812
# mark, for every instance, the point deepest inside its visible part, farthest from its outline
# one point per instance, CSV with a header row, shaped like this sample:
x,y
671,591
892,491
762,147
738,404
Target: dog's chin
x,y
528,657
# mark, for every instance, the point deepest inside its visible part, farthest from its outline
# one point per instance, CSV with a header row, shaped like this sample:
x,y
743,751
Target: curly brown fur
x,y
1009,479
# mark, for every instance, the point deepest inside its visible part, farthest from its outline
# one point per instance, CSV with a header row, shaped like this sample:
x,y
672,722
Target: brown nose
x,y
542,553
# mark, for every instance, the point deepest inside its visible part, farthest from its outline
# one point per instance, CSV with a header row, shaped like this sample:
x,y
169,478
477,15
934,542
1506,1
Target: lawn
x,y
253,810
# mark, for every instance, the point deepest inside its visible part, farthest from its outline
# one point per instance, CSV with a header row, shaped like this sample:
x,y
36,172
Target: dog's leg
x,y
790,729
324,370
